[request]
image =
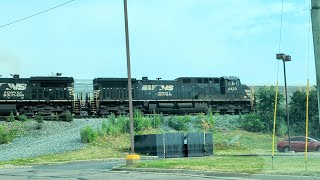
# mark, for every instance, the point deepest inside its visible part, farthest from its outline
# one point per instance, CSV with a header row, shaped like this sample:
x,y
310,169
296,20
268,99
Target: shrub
x,y
157,120
211,120
10,118
252,123
68,116
138,121
281,127
112,118
6,135
88,135
23,118
39,119
178,123
113,130
104,130
124,124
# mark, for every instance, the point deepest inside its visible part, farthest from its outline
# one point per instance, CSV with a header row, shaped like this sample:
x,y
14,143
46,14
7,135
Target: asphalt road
x,y
103,170
86,170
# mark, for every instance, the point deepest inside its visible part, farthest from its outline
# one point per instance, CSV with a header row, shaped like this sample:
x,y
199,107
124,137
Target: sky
x,y
168,39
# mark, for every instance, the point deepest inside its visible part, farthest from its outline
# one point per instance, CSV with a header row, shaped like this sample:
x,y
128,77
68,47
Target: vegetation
x,y
102,148
88,135
6,134
39,119
252,123
68,116
23,118
179,123
298,113
265,107
240,164
11,130
10,118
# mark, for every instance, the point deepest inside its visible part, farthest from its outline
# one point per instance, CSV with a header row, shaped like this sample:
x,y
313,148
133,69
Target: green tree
x,y
265,106
298,113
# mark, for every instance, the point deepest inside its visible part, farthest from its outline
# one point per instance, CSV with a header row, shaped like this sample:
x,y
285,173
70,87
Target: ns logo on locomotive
x,y
56,94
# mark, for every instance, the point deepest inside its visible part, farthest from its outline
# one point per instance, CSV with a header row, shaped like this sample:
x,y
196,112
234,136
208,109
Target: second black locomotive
x,y
182,95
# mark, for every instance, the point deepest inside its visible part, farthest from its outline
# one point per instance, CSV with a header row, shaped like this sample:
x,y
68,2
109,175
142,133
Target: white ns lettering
x,y
17,86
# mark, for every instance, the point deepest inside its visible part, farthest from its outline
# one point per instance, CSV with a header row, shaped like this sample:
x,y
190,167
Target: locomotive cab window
x,y
186,80
233,82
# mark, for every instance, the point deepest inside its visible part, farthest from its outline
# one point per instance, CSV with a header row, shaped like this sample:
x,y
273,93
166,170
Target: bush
x,y
6,135
211,121
23,118
112,118
88,135
179,123
252,123
68,116
157,120
39,119
124,124
139,123
10,118
281,127
113,130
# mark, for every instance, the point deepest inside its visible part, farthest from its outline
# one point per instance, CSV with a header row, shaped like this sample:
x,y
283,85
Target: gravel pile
x,y
53,137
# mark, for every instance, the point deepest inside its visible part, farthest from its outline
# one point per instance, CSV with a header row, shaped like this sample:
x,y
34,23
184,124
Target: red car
x,y
298,144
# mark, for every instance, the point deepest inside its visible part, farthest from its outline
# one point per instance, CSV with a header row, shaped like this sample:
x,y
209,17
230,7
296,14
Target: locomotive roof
x,y
114,79
47,78
16,80
224,77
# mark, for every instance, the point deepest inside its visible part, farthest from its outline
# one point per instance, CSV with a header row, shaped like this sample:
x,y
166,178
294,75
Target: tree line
x,y
262,119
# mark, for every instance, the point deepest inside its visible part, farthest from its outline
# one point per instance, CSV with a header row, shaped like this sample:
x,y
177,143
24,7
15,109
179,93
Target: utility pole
x,y
129,76
315,18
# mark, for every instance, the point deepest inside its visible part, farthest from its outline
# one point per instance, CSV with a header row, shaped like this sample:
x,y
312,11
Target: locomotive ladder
x,y
77,107
93,106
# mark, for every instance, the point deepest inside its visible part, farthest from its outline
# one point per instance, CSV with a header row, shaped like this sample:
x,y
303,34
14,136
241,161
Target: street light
x,y
285,58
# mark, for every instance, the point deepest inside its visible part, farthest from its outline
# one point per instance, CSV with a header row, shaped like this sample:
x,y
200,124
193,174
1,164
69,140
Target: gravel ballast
x,y
53,138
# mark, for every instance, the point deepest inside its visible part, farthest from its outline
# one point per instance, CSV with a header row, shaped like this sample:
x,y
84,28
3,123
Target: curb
x,y
214,174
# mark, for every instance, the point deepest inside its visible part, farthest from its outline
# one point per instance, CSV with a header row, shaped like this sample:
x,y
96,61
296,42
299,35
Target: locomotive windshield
x,y
233,82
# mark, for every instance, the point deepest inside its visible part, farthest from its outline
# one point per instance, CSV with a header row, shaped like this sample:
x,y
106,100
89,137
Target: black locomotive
x,y
56,95
29,96
182,95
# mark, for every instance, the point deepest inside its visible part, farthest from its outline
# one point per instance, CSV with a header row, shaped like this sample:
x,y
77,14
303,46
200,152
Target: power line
x,y
36,14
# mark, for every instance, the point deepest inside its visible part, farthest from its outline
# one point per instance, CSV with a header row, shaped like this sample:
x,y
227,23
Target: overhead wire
x,y
36,14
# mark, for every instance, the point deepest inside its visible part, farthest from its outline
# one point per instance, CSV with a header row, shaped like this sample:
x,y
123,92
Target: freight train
x,y
50,95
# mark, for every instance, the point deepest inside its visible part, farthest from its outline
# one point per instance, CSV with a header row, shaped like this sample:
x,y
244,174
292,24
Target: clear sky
x,y
168,38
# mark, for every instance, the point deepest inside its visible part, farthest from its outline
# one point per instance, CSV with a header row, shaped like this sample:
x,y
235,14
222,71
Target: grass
x,y
103,148
252,165
243,142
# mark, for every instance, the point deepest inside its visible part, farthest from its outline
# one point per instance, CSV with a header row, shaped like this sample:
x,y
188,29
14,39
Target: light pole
x,y
285,58
129,76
